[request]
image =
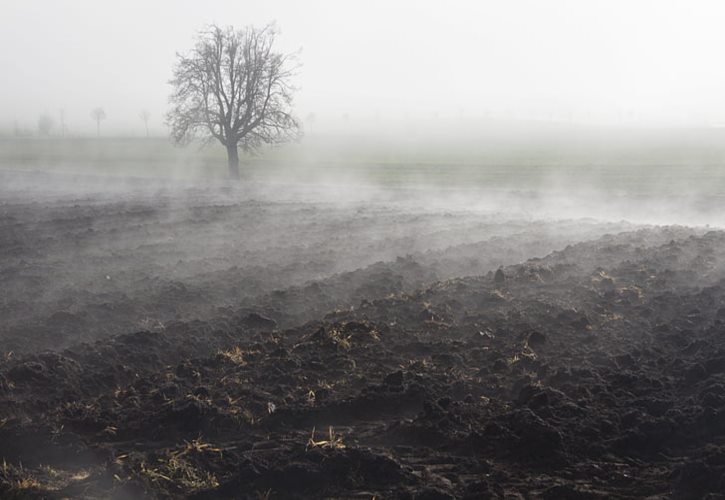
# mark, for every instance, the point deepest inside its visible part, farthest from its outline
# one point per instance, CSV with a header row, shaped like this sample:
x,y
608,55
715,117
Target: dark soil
x,y
596,371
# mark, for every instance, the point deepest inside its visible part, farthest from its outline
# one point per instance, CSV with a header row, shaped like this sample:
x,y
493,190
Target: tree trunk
x,y
233,161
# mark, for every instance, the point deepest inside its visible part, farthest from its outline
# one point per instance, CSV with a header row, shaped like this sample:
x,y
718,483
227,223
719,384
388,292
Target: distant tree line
x,y
48,126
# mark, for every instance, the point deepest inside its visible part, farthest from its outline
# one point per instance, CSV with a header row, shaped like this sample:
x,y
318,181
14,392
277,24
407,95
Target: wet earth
x,y
207,345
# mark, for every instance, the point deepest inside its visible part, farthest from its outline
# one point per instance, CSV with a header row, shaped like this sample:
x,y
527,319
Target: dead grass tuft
x,y
17,479
333,441
178,471
234,355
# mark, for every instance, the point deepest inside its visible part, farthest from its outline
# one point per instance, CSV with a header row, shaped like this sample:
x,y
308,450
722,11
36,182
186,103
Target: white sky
x,y
654,62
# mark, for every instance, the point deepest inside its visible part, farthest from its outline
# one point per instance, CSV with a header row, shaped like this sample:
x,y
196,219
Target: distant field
x,y
622,162
155,157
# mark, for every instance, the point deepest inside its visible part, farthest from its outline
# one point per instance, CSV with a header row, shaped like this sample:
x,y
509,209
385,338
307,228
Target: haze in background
x,y
374,64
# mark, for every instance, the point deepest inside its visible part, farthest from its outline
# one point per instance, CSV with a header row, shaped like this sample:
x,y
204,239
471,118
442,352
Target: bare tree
x,y
98,114
233,87
45,124
145,115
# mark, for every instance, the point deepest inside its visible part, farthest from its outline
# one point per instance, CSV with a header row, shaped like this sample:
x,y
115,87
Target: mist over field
x,y
331,249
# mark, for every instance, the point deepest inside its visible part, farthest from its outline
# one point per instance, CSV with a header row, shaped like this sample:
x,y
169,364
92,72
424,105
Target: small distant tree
x,y
62,123
98,114
145,115
235,88
45,125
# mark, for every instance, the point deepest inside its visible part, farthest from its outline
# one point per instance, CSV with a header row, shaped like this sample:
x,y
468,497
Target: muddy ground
x,y
208,343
